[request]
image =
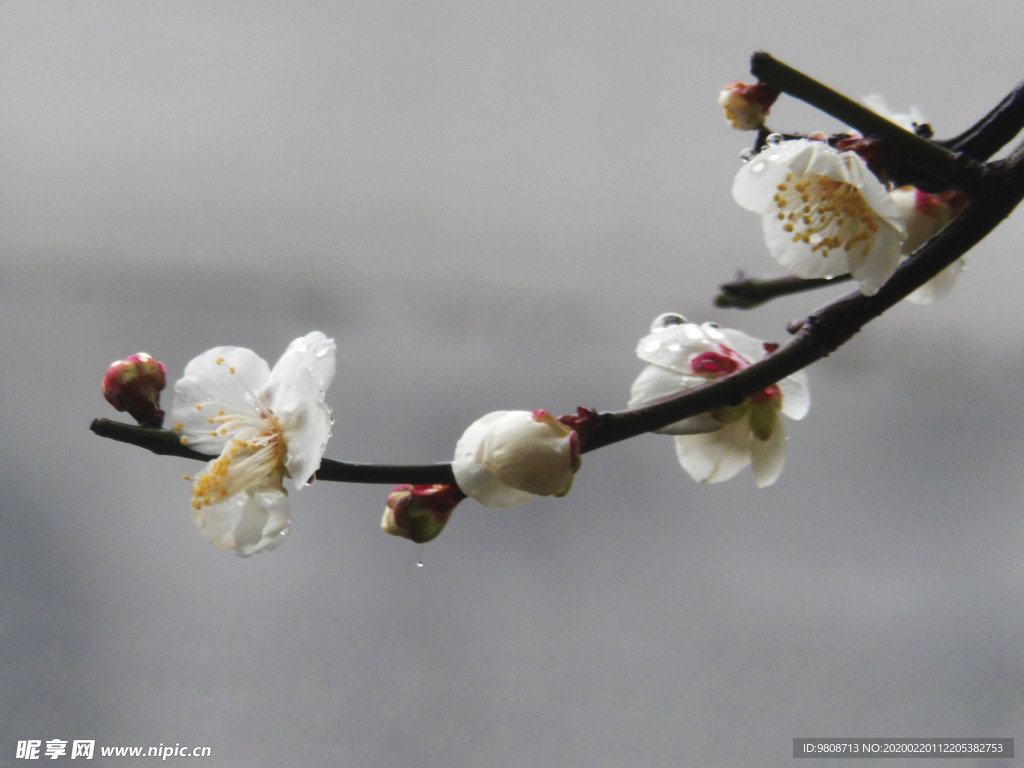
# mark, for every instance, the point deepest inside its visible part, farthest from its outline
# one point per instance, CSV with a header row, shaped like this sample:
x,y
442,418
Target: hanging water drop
x,y
667,320
747,155
774,139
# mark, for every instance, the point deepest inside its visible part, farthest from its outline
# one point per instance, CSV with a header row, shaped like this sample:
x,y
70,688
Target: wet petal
x,y
768,457
716,456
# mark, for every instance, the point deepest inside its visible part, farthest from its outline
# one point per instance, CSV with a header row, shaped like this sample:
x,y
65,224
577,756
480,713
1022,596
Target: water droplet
x,y
711,330
419,563
667,320
747,155
693,332
774,139
653,345
758,167
675,346
321,351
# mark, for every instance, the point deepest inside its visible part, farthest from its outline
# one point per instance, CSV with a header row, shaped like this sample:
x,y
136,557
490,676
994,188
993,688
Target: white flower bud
x,y
507,457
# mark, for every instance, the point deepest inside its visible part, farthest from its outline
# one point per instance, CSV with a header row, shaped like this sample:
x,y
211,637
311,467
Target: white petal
x,y
797,256
531,455
673,347
248,523
223,378
655,383
939,286
478,482
750,349
296,389
755,183
311,357
474,479
875,193
796,398
872,271
905,121
716,456
767,457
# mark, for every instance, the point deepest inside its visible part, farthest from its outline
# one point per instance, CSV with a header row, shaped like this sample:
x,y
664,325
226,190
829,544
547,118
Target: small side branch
x,y
749,292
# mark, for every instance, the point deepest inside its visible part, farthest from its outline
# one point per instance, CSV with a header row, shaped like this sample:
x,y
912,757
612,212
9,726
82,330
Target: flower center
x,y
254,455
764,405
826,214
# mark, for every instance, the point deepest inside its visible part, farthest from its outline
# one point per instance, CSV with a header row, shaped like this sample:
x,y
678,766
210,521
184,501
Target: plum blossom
x,y
925,214
823,212
715,446
263,425
506,458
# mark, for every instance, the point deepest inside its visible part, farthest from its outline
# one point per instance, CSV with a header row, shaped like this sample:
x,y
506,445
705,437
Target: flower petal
x,y
295,391
757,180
939,286
656,383
796,397
873,269
672,347
222,378
768,457
476,480
248,523
797,256
716,456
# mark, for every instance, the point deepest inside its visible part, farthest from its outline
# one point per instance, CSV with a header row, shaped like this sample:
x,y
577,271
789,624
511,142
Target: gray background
x,y
485,204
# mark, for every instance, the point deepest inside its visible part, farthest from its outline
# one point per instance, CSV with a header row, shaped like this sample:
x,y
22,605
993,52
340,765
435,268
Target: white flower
x,y
925,214
823,213
262,425
506,458
715,446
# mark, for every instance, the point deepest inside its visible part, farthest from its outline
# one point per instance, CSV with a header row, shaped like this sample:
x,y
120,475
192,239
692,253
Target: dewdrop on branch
x,y
713,447
419,512
134,385
263,425
506,458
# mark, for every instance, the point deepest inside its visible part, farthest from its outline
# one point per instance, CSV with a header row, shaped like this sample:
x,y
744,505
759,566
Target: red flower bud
x,y
134,385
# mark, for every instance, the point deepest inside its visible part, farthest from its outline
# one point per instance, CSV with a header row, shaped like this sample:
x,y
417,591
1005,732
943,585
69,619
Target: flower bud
x,y
746,105
507,457
925,213
134,385
419,512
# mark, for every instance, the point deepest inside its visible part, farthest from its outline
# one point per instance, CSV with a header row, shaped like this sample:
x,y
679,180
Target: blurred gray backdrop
x,y
485,204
